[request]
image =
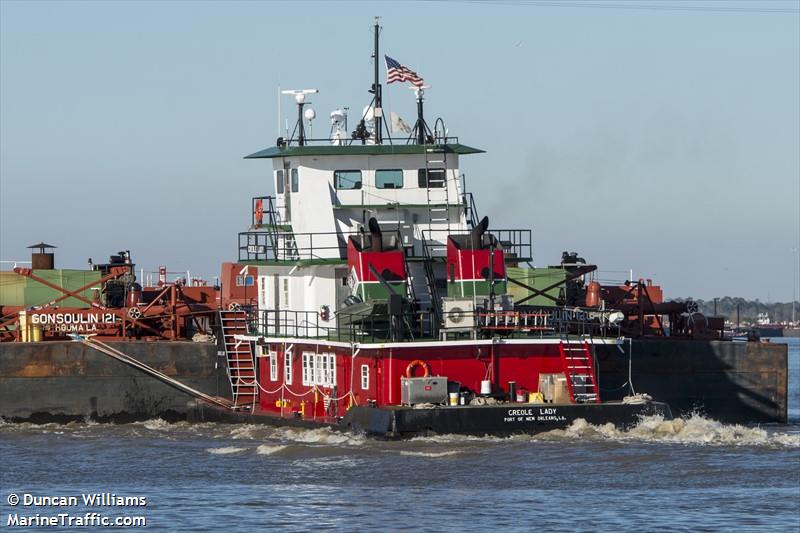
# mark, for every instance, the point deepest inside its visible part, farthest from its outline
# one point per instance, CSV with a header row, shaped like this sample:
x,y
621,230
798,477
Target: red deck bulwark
x,y
373,374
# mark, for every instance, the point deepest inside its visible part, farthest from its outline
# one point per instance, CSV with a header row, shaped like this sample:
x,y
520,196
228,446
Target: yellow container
x,y
24,327
535,397
453,398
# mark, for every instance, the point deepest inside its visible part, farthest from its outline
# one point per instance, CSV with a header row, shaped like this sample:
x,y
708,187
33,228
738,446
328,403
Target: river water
x,y
692,474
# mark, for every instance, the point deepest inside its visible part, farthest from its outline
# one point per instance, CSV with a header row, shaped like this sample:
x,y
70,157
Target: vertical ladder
x,y
283,240
239,356
288,250
579,370
438,196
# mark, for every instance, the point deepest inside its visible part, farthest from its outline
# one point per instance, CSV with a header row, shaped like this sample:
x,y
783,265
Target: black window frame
x,y
279,183
360,183
422,178
402,178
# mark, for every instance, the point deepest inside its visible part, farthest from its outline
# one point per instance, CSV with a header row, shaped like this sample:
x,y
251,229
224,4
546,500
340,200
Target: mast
x,y
420,126
376,87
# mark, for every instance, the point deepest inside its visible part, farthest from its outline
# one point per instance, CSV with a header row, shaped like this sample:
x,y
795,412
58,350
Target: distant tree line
x,y
748,309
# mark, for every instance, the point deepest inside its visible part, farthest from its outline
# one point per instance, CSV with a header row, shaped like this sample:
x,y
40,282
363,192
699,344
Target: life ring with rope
x,y
415,363
259,211
325,313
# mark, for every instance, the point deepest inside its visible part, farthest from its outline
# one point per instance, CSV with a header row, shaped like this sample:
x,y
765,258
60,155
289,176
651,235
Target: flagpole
x,y
378,110
279,110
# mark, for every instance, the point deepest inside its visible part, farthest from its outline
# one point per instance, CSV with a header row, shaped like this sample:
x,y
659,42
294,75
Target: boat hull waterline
x,y
496,420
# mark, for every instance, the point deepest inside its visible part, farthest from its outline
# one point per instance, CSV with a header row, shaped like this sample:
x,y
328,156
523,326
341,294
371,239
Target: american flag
x,y
397,72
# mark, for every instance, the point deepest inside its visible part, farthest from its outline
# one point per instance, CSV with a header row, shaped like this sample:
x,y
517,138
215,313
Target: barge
x,y
368,295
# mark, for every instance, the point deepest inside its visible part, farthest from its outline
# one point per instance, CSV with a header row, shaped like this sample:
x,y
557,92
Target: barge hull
x,y
65,381
733,382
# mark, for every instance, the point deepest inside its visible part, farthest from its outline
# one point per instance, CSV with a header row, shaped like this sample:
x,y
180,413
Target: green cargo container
x,y
12,289
538,278
468,289
23,291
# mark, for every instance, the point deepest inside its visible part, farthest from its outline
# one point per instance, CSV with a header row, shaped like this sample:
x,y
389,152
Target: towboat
x,y
370,295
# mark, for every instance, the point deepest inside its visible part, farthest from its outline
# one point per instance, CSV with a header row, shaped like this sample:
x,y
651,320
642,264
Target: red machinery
x,y
121,309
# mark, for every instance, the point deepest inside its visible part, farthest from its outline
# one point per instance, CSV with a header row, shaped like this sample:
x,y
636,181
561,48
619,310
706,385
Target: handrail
x,y
468,199
15,264
513,241
436,302
278,245
538,322
387,140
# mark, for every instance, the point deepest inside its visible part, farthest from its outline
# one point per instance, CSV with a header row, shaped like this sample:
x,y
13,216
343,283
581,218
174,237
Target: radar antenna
x,y
421,133
300,98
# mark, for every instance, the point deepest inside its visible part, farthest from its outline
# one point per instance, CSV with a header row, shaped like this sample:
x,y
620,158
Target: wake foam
x,y
244,432
226,450
266,449
695,429
430,454
320,436
155,424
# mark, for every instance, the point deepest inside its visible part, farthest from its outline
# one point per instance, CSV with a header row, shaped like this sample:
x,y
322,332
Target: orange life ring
x,y
259,211
418,362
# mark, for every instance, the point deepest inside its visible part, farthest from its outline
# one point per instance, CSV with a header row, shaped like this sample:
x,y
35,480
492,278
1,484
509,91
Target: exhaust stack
x,y
476,235
377,236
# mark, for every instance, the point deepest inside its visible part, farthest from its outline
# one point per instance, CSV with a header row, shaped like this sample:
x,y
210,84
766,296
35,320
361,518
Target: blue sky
x,y
663,141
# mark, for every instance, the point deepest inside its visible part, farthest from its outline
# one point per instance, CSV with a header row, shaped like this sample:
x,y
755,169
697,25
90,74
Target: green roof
x,y
364,149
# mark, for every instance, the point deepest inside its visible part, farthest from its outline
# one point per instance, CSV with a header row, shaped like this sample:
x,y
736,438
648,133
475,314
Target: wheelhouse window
x,y
279,181
347,179
295,181
433,178
389,179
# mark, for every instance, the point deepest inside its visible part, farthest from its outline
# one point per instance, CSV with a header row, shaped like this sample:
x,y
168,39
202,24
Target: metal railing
x,y
547,322
516,243
14,264
411,139
528,322
267,215
289,246
470,209
344,326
